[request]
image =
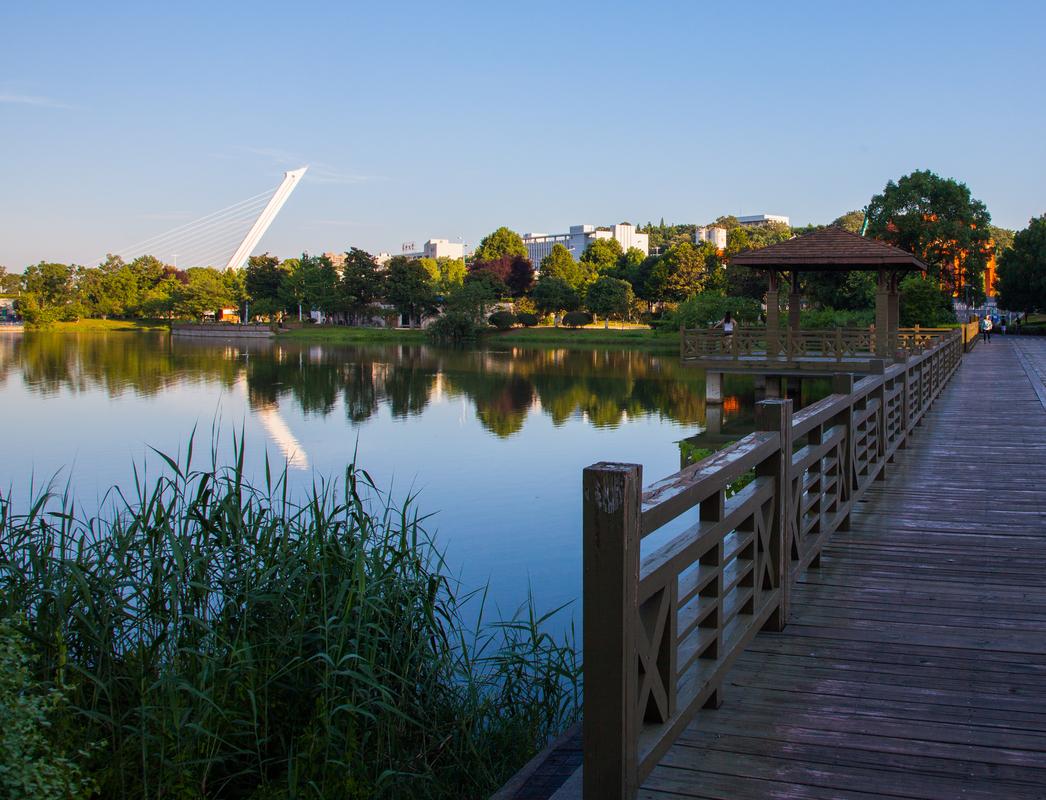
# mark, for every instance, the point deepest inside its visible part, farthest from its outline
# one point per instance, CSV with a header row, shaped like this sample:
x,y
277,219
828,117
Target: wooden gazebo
x,y
832,250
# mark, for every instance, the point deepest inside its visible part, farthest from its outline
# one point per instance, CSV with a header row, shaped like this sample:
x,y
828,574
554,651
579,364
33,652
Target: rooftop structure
x,y
540,245
763,219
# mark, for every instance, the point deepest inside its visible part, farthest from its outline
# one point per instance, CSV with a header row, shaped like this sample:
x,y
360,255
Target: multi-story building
x,y
443,248
713,234
540,245
763,219
336,259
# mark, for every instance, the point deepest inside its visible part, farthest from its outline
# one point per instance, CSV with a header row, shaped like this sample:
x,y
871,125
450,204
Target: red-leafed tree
x,y
515,272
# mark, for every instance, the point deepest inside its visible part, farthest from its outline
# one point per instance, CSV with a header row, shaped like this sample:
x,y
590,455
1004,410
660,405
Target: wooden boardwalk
x,y
914,661
913,664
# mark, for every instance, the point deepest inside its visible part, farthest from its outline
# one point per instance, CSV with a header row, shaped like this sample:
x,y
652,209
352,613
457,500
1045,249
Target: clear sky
x,y
119,121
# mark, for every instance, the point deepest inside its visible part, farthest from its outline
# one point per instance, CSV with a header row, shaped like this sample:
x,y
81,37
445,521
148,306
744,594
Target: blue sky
x,y
119,121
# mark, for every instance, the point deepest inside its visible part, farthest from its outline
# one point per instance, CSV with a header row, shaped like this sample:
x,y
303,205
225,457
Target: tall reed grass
x,y
224,640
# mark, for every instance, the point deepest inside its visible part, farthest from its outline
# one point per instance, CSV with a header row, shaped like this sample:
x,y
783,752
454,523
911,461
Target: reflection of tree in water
x,y
606,387
144,363
502,401
359,392
408,386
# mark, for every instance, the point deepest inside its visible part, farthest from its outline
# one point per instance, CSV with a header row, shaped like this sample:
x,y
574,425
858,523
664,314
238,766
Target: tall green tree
x,y
502,242
1022,270
407,287
609,297
559,263
686,270
49,293
203,292
603,255
445,274
263,280
553,295
362,282
938,220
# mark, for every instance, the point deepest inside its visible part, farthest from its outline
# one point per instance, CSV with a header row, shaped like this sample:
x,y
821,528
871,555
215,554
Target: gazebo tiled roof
x,y
826,250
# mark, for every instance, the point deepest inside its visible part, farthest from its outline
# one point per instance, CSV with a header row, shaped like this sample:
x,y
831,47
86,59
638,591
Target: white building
x,y
763,219
443,248
713,234
433,248
540,245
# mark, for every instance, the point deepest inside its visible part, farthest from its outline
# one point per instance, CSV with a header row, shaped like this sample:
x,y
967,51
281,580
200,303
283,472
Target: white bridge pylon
x,y
266,218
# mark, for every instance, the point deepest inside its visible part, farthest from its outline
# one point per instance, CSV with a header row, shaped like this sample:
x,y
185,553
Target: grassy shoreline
x,y
587,337
347,335
639,338
102,326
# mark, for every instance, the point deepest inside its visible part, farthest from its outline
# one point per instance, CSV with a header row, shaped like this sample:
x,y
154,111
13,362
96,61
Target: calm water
x,y
492,441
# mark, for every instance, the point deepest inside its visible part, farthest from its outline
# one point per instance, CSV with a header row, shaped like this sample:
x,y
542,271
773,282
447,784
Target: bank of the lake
x,y
577,338
103,326
342,334
588,337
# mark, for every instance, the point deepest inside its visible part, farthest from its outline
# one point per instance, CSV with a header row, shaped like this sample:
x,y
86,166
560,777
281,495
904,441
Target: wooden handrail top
x,y
669,497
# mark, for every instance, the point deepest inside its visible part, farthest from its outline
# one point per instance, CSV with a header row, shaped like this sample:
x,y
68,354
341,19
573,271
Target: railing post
x,y
611,532
905,410
776,416
878,367
843,383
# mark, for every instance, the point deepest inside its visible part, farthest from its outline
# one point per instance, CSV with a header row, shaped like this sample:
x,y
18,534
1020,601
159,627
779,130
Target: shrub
x,y
576,319
32,764
702,310
834,318
525,305
502,320
454,327
227,642
527,320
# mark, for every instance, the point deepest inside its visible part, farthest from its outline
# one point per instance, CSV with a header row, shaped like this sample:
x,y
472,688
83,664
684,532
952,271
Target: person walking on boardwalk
x,y
986,328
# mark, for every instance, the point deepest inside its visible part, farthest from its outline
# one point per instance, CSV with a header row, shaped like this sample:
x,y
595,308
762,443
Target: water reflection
x,y
605,388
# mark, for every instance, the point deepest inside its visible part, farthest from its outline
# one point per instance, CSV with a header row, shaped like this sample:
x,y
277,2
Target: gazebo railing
x,y
788,345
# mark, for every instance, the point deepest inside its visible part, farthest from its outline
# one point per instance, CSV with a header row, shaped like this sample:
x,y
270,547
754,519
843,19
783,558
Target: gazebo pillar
x,y
773,317
794,301
882,315
894,311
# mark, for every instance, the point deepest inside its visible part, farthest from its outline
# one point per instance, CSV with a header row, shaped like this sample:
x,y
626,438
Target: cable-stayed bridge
x,y
225,237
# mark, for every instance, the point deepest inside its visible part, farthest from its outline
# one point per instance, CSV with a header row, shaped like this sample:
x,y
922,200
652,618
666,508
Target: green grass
x,y
587,337
221,640
105,325
348,335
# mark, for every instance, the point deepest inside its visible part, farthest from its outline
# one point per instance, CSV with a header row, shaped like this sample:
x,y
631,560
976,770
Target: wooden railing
x,y
786,344
970,333
661,631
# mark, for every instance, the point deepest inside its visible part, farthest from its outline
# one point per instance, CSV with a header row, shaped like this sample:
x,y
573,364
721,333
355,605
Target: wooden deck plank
x,y
914,661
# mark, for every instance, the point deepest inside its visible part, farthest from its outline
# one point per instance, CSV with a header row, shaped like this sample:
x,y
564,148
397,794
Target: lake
x,y
492,441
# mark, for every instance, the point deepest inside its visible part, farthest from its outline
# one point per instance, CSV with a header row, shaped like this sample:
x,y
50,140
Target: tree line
x,y
935,218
